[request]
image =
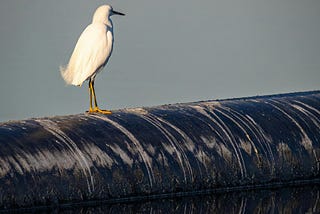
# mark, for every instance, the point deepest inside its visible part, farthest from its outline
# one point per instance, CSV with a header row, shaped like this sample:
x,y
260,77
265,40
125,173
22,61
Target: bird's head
x,y
103,14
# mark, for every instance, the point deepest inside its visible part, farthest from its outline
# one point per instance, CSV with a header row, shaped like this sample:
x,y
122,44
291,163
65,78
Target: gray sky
x,y
165,52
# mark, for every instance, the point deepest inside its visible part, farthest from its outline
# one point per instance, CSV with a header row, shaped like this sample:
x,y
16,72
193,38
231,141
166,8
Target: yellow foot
x,y
97,110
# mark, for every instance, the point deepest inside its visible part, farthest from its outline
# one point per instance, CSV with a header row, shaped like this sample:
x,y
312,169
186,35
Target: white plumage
x,y
92,52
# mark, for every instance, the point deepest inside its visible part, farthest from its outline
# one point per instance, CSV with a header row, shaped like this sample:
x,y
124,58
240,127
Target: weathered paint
x,y
160,150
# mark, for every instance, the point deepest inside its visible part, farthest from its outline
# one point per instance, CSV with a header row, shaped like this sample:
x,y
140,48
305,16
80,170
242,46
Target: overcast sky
x,y
164,52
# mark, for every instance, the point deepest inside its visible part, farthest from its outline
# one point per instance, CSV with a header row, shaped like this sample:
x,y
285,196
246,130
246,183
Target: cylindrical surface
x,y
160,150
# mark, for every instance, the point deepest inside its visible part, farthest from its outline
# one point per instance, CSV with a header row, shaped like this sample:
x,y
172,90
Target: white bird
x,y
91,53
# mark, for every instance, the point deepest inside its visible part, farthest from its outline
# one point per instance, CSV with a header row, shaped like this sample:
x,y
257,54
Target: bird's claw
x,y
98,110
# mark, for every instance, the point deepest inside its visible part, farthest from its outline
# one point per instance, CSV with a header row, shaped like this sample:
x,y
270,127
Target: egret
x,y
91,53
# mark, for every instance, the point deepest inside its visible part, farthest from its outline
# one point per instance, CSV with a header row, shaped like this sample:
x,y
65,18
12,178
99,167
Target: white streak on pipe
x,y
54,129
147,160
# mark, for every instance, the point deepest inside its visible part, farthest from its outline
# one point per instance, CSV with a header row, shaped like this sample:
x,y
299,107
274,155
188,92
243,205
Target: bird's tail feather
x,y
68,76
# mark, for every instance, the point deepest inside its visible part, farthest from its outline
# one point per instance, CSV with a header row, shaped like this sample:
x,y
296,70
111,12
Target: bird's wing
x,y
91,52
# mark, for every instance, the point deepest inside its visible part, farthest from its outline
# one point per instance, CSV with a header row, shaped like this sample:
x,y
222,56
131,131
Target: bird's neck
x,y
105,20
108,22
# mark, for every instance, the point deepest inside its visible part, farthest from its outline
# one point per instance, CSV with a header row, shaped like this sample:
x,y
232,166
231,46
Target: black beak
x,y
118,13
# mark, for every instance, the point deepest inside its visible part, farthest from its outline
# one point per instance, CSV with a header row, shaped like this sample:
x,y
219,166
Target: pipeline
x,y
158,151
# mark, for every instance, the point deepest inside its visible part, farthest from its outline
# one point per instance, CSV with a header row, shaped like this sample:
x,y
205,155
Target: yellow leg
x,y
94,95
90,94
96,109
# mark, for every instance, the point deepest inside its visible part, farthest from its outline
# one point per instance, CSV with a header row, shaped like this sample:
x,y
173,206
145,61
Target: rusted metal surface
x,y
160,150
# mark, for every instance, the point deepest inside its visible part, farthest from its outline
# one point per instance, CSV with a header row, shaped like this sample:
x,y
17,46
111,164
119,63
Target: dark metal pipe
x,y
192,147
